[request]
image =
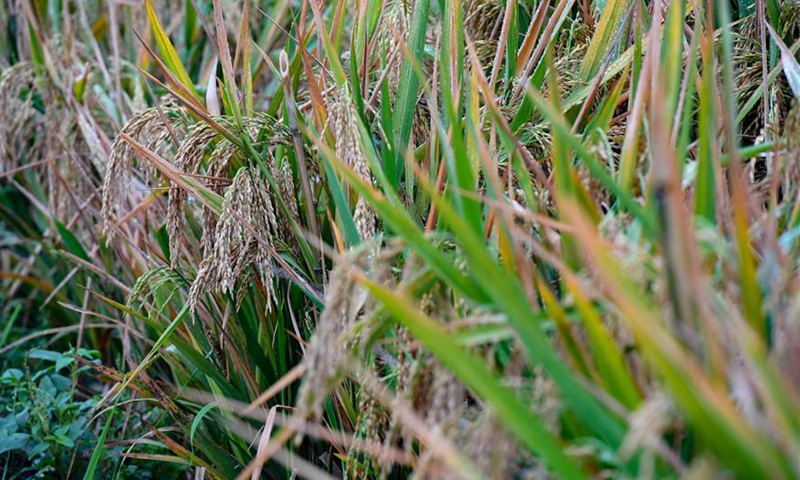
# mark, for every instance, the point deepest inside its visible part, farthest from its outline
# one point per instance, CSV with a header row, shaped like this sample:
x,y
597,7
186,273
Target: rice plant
x,y
401,239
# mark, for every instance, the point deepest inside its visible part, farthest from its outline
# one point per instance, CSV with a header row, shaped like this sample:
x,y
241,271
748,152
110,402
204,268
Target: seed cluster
x,y
39,126
187,160
247,202
344,304
149,127
20,115
395,31
343,120
249,224
222,156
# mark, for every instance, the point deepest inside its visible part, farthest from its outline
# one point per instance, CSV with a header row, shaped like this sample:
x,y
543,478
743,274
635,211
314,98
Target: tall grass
x,y
392,239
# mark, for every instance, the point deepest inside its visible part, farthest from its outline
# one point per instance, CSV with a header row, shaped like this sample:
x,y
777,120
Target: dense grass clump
x,y
400,239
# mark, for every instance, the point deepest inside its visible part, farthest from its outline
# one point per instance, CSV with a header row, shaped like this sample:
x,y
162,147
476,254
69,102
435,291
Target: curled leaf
x,y
790,66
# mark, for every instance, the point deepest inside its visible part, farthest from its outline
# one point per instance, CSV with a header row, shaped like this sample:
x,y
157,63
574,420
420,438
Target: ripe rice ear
x,y
343,121
188,159
148,125
18,126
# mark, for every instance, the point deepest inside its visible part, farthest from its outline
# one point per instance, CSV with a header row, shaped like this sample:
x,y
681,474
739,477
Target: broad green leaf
x,y
759,92
705,194
14,441
408,86
73,244
170,56
790,66
610,21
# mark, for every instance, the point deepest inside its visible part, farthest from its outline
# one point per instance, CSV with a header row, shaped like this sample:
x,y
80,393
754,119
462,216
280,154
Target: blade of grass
x,y
408,84
94,461
705,194
751,291
171,58
610,21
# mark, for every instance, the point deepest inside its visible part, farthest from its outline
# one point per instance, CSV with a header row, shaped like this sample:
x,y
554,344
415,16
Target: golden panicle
x,y
148,126
55,136
647,425
786,311
372,423
364,219
57,133
344,301
96,152
267,129
791,157
405,372
343,120
20,117
206,280
394,32
448,398
483,22
219,166
483,19
286,181
235,248
442,408
491,447
187,160
264,131
68,176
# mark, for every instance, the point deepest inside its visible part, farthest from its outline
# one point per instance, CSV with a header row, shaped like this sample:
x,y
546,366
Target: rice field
x,y
390,239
